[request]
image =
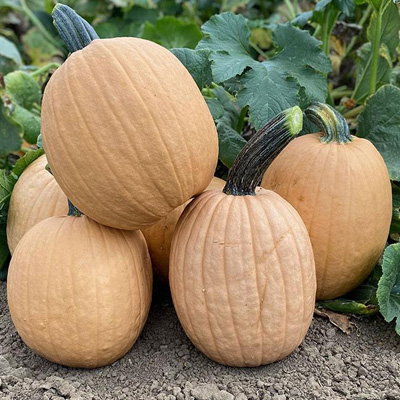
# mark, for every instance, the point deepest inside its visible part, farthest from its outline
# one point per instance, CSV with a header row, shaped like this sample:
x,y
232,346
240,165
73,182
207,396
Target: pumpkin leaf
x,y
389,286
197,63
10,138
10,59
273,85
23,162
172,32
230,144
379,122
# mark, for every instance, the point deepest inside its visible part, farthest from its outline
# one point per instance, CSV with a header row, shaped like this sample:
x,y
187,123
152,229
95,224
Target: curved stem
x,y
333,125
45,69
73,29
73,211
259,152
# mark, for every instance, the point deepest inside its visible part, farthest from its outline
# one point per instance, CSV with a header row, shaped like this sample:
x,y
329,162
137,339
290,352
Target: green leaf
x,y
29,122
227,35
117,27
390,27
216,108
300,56
364,67
172,32
389,285
10,139
379,122
346,6
10,59
395,76
22,89
230,144
197,63
266,93
39,49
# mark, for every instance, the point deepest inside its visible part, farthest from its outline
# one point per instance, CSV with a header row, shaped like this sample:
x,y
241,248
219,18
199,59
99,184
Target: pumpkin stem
x,y
73,29
73,211
259,152
333,125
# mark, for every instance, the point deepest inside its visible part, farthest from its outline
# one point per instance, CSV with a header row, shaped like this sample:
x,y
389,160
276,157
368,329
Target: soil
x,y
164,365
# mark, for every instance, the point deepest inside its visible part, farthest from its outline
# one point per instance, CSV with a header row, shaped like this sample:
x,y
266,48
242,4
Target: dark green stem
x,y
376,44
73,29
45,69
333,125
259,152
72,210
242,117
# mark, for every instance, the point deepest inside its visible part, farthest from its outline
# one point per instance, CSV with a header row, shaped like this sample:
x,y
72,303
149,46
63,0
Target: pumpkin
x,y
36,196
242,272
340,186
79,292
127,132
159,235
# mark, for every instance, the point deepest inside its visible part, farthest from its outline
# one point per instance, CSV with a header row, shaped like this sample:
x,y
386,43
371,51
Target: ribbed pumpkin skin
x,y
79,293
36,196
343,194
127,132
242,277
159,235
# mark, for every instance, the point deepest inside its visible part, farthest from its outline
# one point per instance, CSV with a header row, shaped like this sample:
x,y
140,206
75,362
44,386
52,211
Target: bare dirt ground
x,y
163,365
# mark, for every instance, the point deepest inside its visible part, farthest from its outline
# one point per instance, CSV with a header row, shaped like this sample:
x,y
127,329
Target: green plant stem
x,y
354,112
317,31
258,50
242,117
376,44
38,24
263,8
296,7
340,94
365,16
292,12
327,30
45,69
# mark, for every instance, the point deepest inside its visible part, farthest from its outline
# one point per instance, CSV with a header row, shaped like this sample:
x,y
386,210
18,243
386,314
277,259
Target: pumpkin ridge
x,y
82,119
295,241
155,182
333,183
60,140
155,124
260,300
228,212
176,119
271,230
188,211
204,244
48,326
140,294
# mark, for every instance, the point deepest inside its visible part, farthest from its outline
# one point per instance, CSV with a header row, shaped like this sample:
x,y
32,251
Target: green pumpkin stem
x,y
259,152
73,29
73,211
333,125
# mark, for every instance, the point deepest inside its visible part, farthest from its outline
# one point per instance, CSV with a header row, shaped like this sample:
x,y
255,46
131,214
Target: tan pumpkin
x,y
340,186
242,272
159,235
36,196
127,132
79,292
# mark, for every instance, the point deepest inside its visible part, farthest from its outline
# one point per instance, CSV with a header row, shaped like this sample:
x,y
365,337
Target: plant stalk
x,y
376,44
45,69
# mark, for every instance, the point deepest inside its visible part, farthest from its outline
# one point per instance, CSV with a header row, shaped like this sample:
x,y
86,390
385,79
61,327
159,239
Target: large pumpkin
x,y
126,130
159,235
242,271
36,196
340,186
79,292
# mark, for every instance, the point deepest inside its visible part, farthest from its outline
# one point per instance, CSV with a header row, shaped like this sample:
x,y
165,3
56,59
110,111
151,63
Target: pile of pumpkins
x,y
130,141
